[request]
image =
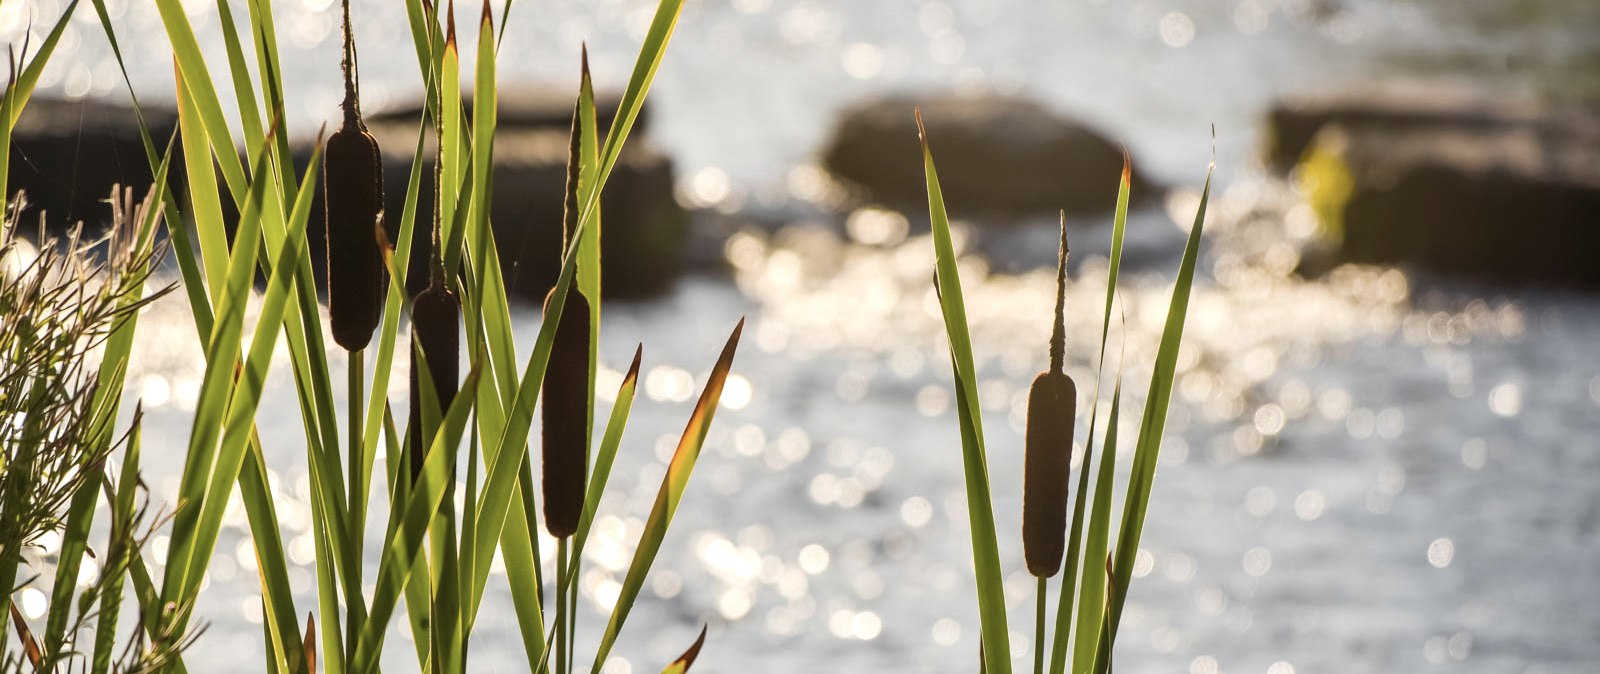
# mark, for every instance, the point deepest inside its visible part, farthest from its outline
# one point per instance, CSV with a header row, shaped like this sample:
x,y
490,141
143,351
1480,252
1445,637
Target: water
x,y
1366,472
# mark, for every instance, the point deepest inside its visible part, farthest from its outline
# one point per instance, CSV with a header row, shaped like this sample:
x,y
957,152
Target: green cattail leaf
x,y
607,454
995,638
667,499
238,423
1092,592
1151,427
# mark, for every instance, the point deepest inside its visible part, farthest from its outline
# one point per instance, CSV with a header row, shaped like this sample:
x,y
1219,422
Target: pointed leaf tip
x,y
685,661
310,645
29,645
1127,166
450,25
922,131
633,370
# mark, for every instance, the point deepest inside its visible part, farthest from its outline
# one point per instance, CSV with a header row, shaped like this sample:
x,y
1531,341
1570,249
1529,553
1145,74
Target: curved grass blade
x,y
1092,591
685,661
607,454
30,646
1148,445
672,488
22,88
239,420
223,348
980,508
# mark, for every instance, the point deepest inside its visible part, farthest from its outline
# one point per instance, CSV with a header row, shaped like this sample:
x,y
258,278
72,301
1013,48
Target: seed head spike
x,y
352,186
1052,412
1058,335
352,88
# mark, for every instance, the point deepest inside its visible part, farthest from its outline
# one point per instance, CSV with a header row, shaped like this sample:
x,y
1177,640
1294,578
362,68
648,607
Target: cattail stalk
x,y
566,384
352,188
1052,408
435,313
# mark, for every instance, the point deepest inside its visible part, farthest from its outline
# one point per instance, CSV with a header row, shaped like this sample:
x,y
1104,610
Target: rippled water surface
x,y
1362,473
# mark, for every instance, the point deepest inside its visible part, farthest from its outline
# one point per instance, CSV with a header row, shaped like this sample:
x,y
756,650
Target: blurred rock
x,y
67,154
999,156
1510,201
643,229
1396,107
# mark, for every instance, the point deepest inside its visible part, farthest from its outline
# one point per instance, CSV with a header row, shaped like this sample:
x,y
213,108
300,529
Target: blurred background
x,y
1384,451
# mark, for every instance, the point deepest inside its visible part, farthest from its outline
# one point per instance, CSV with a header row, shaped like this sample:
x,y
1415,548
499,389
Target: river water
x,y
1367,472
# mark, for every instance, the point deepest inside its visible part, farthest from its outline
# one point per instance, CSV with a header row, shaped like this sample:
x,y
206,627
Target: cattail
x,y
1052,407
434,314
352,188
566,388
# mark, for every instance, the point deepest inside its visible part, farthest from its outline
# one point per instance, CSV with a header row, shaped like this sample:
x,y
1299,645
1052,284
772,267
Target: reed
x,y
434,557
565,410
352,189
1047,470
61,310
1094,589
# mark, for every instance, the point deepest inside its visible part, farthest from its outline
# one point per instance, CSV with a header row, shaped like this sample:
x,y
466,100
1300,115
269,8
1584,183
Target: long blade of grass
x,y
980,507
16,96
223,346
1092,591
205,204
671,492
1148,445
239,420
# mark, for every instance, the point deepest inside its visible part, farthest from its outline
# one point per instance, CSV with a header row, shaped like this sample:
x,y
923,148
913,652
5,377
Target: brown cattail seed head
x,y
1052,408
352,188
566,417
1047,467
434,315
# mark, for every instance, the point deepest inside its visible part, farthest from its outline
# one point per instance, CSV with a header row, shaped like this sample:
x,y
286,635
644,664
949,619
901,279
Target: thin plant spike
x,y
995,636
1052,413
671,492
1148,445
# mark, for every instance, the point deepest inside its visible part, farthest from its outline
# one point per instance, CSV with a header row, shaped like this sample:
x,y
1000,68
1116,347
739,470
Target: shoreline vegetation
x,y
434,556
420,231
